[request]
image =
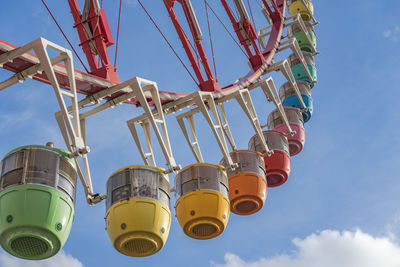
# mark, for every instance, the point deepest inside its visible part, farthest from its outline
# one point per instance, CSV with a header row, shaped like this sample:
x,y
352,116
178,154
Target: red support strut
x,y
95,36
275,15
246,33
210,84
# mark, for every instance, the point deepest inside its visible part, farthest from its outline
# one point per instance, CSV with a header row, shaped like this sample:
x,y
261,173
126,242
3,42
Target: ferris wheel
x,y
38,183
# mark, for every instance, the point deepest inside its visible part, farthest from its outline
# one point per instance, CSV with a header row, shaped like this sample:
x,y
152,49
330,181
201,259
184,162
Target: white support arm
x,y
199,99
296,19
143,154
294,45
283,66
194,145
225,126
269,89
69,121
216,128
155,117
309,12
244,99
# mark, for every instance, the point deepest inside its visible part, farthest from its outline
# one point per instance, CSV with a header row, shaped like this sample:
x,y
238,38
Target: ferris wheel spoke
x,y
210,37
246,32
227,30
205,84
251,14
95,36
201,188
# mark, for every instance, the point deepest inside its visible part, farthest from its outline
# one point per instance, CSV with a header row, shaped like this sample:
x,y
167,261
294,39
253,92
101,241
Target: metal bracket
x,y
299,21
294,45
84,174
154,117
194,145
244,99
309,12
269,89
200,99
291,43
70,124
262,34
266,14
283,66
225,125
40,46
141,89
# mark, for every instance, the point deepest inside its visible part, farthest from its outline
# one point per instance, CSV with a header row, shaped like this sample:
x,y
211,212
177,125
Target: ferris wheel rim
x,y
253,75
93,84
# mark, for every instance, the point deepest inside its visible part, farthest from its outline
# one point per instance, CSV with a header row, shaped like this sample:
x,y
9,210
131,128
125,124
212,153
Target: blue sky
x,y
340,203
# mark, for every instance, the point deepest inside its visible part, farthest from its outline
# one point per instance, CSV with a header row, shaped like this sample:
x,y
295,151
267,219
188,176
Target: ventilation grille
x,y
204,230
294,149
274,180
246,206
29,247
139,247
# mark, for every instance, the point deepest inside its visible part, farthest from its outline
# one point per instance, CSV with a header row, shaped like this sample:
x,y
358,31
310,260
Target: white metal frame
x,y
296,19
139,89
204,102
265,13
284,67
272,95
73,124
290,43
68,119
309,12
244,99
154,117
294,45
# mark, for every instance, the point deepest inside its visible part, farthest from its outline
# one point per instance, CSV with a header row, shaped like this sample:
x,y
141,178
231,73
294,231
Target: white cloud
x,y
62,259
393,34
330,248
387,33
392,228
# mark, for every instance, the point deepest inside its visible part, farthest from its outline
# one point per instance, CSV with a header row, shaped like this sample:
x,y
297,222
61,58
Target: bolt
x,y
50,144
58,227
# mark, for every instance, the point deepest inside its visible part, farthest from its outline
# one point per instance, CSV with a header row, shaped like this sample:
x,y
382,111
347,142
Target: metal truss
x,y
290,43
204,102
244,99
309,12
68,118
296,19
154,117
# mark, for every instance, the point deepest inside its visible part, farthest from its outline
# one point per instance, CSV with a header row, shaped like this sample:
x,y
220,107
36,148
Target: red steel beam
x,y
247,35
89,84
209,84
96,44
